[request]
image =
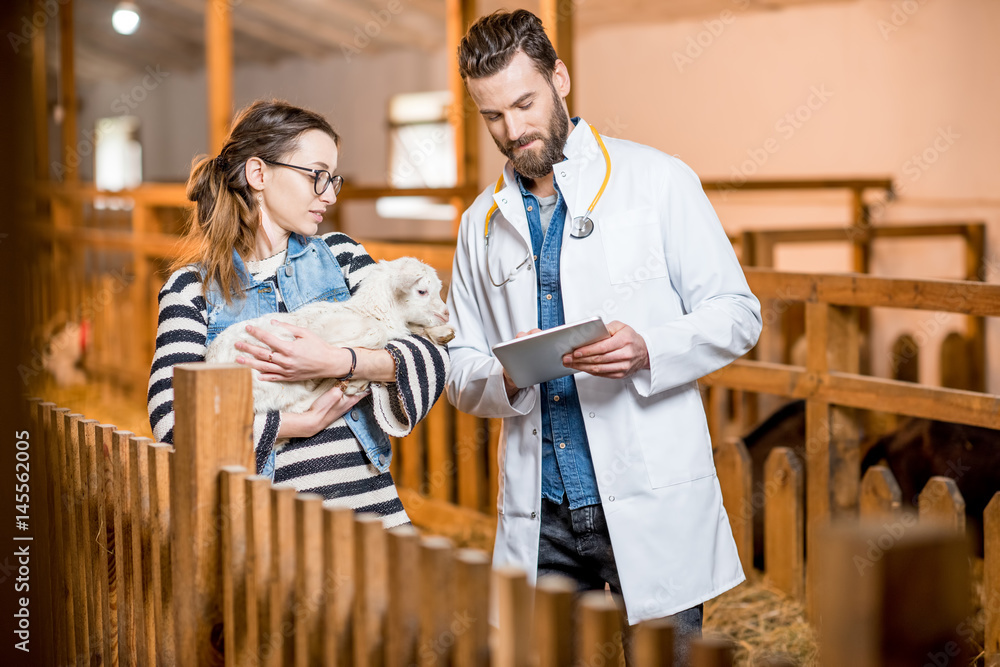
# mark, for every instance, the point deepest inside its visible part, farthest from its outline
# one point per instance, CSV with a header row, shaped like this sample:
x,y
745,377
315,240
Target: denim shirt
x,y
310,274
567,468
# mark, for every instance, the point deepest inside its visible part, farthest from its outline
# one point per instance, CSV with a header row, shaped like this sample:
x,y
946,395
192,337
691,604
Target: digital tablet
x,y
537,357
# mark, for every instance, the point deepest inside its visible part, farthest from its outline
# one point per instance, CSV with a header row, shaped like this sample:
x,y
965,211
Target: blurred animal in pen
x,y
916,450
64,353
396,298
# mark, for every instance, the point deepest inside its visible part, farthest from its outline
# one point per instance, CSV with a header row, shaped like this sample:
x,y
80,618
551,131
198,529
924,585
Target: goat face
x,y
418,292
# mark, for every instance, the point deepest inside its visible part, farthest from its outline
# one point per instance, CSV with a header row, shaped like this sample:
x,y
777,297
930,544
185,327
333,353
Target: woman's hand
x,y
325,410
307,357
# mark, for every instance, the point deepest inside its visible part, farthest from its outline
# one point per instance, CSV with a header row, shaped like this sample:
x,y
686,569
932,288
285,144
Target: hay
x,y
767,627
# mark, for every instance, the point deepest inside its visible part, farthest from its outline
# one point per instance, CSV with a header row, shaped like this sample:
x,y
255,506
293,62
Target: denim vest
x,y
310,274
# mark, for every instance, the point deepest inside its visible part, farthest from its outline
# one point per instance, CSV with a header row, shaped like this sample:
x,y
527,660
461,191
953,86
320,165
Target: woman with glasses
x,y
253,251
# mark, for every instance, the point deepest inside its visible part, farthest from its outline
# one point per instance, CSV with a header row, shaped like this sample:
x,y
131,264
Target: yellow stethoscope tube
x,y
584,223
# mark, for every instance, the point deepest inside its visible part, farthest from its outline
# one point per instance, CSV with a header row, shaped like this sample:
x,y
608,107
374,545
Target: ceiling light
x,y
126,18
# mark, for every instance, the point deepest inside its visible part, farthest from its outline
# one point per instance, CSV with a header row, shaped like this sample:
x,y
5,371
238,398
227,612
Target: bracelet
x,y
354,363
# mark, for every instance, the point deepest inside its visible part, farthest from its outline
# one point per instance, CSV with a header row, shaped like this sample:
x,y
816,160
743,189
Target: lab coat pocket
x,y
633,247
683,452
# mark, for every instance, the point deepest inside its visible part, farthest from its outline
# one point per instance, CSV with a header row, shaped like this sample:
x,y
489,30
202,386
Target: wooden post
x,y
940,501
832,455
599,639
976,326
711,653
403,613
880,494
654,643
784,537
557,17
436,593
552,629
463,116
470,435
735,473
67,94
371,598
39,101
472,595
128,651
440,466
893,596
258,514
412,450
991,581
339,582
280,647
63,599
142,580
159,551
494,472
515,618
103,538
91,526
213,405
69,437
43,527
219,68
308,579
232,515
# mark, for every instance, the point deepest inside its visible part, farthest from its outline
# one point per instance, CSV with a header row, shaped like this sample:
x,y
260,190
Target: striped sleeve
x,y
421,366
181,335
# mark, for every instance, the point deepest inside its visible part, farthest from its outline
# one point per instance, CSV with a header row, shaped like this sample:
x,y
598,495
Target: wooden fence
x,y
160,555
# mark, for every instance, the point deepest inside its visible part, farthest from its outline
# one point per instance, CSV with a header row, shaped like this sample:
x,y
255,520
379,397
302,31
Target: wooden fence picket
x,y
880,493
784,531
940,501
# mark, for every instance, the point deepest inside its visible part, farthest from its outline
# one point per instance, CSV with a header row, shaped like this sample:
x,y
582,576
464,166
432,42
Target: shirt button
x,y
555,398
533,515
562,445
530,208
548,296
592,415
535,257
354,415
381,459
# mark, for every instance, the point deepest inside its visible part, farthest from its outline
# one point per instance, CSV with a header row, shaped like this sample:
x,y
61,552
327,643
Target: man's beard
x,y
535,163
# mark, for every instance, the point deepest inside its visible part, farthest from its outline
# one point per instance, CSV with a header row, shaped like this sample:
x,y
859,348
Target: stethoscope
x,y
580,228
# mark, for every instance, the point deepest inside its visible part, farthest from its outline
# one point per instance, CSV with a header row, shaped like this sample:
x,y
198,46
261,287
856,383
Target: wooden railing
x,y
159,555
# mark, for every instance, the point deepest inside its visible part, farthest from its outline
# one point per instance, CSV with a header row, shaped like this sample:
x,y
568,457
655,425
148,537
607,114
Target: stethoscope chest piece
x,y
582,227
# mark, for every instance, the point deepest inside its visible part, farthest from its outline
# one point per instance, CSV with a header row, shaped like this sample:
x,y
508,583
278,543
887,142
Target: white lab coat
x,y
659,261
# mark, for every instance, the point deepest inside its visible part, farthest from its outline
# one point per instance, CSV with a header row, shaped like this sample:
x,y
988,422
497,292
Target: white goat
x,y
396,298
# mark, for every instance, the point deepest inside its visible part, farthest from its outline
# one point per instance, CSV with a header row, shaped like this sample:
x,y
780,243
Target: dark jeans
x,y
576,544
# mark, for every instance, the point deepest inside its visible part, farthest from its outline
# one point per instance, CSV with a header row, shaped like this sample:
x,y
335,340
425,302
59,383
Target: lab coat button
x,y
592,415
534,431
533,515
611,498
563,174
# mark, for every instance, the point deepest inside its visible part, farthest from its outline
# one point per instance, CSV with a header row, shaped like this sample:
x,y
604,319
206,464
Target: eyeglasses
x,y
323,178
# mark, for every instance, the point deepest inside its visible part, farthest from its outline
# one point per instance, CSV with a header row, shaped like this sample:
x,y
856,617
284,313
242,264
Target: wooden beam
x,y
463,115
557,17
219,71
968,297
67,94
861,391
801,184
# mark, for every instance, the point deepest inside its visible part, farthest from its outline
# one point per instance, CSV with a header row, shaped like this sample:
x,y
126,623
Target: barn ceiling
x,y
172,34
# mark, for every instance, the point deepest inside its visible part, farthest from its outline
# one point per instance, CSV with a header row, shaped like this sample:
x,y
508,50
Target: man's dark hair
x,y
494,40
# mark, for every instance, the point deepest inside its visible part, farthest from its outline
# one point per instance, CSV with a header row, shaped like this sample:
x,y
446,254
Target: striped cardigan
x,y
331,463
